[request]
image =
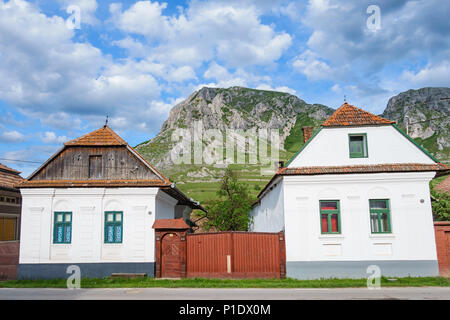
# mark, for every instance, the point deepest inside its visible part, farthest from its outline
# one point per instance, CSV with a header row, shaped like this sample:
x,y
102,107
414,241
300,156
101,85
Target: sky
x,y
67,64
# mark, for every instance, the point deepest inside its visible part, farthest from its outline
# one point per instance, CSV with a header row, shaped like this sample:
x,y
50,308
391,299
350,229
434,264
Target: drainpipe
x,y
52,200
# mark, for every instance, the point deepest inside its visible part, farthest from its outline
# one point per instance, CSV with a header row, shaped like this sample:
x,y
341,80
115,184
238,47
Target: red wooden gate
x,y
171,247
236,255
218,254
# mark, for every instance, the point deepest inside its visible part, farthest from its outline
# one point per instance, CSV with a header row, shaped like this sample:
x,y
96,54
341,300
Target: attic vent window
x,y
95,167
358,145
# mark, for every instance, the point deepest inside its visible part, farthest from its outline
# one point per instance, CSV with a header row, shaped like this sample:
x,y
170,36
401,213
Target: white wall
x,y
88,206
165,206
330,147
412,235
268,216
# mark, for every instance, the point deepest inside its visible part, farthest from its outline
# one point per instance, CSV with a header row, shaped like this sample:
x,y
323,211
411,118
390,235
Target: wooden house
x,y
10,204
93,204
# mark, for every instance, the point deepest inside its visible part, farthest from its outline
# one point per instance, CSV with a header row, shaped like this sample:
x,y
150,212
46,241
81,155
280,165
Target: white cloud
x,y
12,137
218,72
312,67
279,89
135,48
181,74
431,75
408,29
50,137
143,17
206,30
34,153
61,81
336,88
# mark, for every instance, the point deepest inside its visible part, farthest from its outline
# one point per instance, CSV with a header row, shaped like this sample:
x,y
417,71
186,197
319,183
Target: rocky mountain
x,y
235,108
427,111
241,108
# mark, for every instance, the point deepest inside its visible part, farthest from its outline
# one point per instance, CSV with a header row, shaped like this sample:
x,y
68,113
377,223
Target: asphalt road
x,y
421,293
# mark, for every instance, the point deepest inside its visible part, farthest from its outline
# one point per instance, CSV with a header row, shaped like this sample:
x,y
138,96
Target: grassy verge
x,y
228,283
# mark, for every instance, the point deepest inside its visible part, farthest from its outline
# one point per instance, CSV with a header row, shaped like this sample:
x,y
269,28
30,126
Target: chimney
x,y
280,164
307,133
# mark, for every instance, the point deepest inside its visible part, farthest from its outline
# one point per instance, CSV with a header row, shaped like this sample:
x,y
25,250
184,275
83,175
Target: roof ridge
x,y
95,138
350,115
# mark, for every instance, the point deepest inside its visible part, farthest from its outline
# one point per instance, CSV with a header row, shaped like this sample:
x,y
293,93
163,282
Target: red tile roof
x,y
348,115
357,169
92,183
9,177
5,168
101,137
170,224
378,168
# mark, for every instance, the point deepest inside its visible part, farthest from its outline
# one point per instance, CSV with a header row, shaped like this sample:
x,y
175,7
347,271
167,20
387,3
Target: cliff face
x,y
428,113
235,108
243,108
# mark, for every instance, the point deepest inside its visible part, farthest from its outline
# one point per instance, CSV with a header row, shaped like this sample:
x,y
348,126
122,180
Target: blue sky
x,y
133,60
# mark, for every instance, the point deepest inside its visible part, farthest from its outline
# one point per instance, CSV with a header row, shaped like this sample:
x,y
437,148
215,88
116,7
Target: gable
x,y
95,163
385,144
100,156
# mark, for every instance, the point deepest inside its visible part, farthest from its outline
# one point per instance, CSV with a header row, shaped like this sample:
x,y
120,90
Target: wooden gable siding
x,y
117,163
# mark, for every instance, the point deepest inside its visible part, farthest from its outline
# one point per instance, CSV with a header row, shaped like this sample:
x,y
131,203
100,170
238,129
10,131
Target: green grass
x,y
227,283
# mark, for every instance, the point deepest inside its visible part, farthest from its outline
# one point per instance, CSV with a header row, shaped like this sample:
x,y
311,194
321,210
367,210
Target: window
x,y
95,167
8,229
358,145
62,232
380,217
113,227
329,216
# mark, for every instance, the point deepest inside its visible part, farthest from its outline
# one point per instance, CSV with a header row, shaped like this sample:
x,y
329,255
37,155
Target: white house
x,y
93,204
355,195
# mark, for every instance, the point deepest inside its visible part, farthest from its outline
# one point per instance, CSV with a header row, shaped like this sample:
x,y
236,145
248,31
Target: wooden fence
x,y
442,233
9,259
236,255
217,255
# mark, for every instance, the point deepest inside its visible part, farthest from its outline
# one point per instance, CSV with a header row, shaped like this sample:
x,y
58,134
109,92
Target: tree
x,y
231,212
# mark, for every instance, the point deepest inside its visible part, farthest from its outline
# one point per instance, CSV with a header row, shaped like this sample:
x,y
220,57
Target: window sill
x,y
331,236
381,236
62,245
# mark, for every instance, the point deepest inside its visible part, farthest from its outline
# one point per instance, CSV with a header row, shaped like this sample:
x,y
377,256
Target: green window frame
x,y
62,227
330,216
380,216
357,145
113,226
